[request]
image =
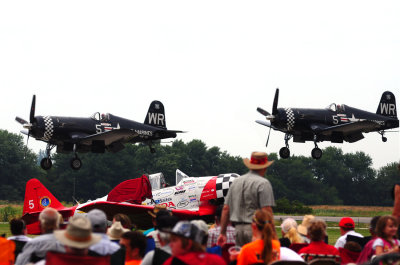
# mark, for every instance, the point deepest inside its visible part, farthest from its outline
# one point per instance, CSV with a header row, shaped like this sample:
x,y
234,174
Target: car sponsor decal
x,y
180,192
183,203
163,193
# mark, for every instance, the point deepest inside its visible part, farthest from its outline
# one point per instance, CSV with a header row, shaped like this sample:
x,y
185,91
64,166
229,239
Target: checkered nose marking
x,y
290,119
223,183
48,128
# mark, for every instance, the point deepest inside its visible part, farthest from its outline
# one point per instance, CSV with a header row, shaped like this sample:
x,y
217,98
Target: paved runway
x,y
359,220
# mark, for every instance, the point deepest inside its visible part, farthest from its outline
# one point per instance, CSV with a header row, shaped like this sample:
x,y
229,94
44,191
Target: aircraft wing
x,y
32,217
137,212
346,128
108,137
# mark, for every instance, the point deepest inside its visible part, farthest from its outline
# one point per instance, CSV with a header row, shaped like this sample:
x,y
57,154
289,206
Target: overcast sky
x,y
211,63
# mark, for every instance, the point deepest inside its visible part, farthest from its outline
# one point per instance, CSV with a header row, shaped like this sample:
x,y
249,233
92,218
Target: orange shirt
x,y
251,252
133,262
7,251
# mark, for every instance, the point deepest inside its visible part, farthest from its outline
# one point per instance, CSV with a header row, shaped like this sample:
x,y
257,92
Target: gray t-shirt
x,y
247,194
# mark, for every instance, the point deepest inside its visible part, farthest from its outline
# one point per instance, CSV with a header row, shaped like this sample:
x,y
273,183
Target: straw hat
x,y
157,208
302,229
258,160
116,230
78,233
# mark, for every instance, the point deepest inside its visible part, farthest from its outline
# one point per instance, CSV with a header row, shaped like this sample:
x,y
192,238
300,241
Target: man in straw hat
x,y
76,239
247,193
78,236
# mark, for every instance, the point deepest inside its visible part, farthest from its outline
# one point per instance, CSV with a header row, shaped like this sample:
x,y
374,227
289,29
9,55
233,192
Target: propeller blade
x,y
20,120
275,105
265,123
263,112
32,114
266,145
26,132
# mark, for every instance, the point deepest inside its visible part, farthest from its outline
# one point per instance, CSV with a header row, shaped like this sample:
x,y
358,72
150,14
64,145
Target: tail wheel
x,y
76,163
316,153
284,152
46,163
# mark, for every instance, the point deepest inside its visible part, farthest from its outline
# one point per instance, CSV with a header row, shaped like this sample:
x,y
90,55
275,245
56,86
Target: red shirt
x,y
197,258
319,247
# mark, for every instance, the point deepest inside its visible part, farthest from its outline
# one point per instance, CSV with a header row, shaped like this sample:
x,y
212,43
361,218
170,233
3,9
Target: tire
x,y
46,163
75,163
284,152
316,153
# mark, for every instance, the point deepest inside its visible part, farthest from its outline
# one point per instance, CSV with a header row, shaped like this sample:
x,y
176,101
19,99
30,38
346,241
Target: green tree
x,y
17,166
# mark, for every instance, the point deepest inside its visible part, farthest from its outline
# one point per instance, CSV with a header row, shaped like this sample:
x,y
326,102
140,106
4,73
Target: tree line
x,y
336,178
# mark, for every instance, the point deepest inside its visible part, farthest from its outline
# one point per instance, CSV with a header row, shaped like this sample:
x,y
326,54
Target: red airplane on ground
x,y
192,197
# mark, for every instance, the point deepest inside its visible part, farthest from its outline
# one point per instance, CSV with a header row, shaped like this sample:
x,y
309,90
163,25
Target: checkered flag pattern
x,y
223,183
290,118
48,128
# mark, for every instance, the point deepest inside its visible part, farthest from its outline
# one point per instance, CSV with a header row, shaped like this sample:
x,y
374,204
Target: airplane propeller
x,y
268,116
26,124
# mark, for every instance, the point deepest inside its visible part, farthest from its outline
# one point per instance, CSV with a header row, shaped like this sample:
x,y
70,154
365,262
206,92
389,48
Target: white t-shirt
x,y
288,254
342,240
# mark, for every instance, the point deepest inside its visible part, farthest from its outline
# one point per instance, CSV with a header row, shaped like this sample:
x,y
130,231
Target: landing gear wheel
x,y
384,139
76,163
46,163
316,153
284,152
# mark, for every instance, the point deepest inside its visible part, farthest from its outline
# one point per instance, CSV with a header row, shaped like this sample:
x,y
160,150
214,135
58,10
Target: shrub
x,y
7,213
295,207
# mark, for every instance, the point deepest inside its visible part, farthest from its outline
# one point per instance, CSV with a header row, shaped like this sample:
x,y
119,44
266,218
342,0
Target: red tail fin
x,y
37,197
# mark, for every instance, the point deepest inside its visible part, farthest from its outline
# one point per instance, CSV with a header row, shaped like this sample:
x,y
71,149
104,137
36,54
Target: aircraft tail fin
x,y
156,115
37,197
387,105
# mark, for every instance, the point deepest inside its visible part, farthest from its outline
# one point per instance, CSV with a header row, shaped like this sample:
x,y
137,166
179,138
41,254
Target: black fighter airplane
x,y
335,123
96,133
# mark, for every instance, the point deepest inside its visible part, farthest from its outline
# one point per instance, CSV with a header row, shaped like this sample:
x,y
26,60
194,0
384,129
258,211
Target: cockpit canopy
x,y
100,117
335,108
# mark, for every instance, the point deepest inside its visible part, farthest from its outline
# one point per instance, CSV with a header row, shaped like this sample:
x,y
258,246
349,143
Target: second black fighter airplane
x,y
335,123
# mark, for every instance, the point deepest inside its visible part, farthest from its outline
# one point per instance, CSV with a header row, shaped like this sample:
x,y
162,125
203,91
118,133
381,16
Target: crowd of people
x,y
244,233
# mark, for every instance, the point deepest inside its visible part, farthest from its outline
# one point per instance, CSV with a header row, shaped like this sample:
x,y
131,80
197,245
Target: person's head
x,y
204,227
346,224
78,236
352,246
258,162
157,208
287,224
135,245
317,230
165,223
123,219
116,230
372,225
98,219
263,223
386,227
49,220
186,237
17,227
303,227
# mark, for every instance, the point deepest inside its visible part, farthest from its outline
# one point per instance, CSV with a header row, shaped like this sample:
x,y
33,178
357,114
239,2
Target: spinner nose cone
x,y
38,127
